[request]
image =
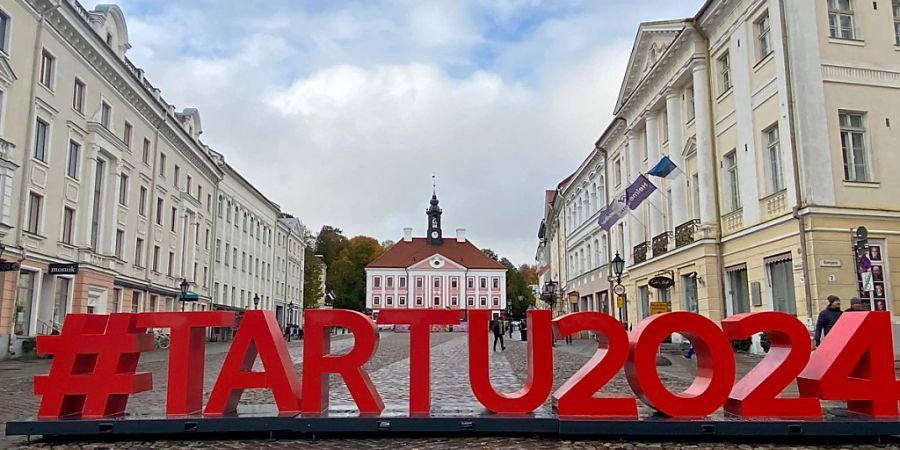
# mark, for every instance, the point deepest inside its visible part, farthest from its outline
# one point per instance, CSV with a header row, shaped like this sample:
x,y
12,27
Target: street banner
x,y
613,212
639,191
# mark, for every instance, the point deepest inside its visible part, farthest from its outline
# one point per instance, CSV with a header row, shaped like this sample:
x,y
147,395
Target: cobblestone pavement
x,y
389,369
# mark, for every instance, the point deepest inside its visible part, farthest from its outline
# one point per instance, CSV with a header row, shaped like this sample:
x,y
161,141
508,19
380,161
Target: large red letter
x,y
756,395
540,365
420,322
258,334
318,361
855,363
184,391
575,398
715,364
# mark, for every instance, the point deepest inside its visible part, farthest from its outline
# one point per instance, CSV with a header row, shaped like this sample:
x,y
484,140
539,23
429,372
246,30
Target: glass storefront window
x,y
24,302
60,301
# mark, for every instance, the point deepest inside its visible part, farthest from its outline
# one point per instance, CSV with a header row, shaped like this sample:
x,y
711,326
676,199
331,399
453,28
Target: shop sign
x,y
830,263
63,269
658,308
661,282
9,266
859,343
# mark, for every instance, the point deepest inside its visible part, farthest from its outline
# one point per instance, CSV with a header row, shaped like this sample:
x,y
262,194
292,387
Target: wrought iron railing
x,y
684,233
640,252
661,243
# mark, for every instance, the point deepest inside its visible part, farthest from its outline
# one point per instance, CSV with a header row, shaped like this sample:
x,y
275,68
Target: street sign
x,y
658,308
661,282
619,289
8,266
620,301
63,269
190,297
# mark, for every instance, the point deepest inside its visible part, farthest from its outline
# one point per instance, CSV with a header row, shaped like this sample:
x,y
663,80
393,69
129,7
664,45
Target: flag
x,y
612,213
639,191
665,168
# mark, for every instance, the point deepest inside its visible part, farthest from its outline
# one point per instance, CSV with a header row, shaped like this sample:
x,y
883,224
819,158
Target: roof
x,y
404,254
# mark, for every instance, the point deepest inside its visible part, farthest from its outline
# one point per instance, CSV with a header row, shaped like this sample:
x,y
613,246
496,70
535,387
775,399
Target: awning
x,y
736,268
784,257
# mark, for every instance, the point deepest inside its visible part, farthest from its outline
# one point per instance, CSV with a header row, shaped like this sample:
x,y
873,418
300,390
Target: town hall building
x,y
435,272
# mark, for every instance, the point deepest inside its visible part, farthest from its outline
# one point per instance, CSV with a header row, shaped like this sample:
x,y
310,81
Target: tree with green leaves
x,y
312,279
329,243
348,276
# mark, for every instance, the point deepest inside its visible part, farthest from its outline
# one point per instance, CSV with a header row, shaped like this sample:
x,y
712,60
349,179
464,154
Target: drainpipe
x,y
798,195
720,261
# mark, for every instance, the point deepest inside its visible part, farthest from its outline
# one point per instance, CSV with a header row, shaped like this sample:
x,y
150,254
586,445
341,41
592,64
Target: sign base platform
x,y
459,422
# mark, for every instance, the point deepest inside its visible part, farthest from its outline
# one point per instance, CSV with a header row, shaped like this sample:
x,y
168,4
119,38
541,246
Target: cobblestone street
x,y
388,369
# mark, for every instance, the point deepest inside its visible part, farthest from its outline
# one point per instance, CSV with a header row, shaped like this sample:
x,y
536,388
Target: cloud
x,y
340,112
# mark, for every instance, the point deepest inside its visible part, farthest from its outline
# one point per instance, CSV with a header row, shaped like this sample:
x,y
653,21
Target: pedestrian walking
x,y
498,335
510,329
827,318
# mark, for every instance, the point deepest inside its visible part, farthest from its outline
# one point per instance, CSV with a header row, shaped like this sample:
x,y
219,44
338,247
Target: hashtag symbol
x,y
93,369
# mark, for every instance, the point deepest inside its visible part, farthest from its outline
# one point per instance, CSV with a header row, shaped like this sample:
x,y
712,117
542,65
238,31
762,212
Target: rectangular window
x,y
227,252
617,172
773,159
780,276
724,73
48,63
4,33
690,109
35,203
496,301
162,164
68,225
454,301
738,289
155,265
174,219
73,160
135,301
390,300
139,252
437,282
123,189
97,205
896,8
376,300
187,186
177,175
840,19
402,282
853,147
419,301
483,301
129,133
732,182
142,202
418,282
105,115
454,283
117,300
495,283
763,36
389,281
470,301
78,96
41,137
402,301
154,303
120,243
483,282
159,210
170,270
437,301
145,155
470,282
376,282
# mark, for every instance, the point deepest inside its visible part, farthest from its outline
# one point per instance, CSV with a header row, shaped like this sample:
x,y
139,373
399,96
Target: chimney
x,y
407,234
460,235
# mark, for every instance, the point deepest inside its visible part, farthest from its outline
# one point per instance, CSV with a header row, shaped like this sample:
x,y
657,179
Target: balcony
x,y
733,221
640,252
661,243
684,233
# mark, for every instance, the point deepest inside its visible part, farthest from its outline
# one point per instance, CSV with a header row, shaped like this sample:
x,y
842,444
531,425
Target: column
x,y
676,144
705,157
86,202
635,228
113,207
655,208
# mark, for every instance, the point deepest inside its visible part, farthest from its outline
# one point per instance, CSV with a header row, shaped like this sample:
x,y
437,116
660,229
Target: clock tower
x,y
434,222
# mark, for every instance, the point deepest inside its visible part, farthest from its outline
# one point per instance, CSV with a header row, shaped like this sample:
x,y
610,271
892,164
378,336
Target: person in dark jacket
x,y
497,328
827,318
855,305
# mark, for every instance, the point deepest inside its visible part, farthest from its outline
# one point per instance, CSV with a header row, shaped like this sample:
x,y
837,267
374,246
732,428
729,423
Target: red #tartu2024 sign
x,y
95,359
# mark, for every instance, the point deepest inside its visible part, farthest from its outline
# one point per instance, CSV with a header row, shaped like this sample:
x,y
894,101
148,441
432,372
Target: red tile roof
x,y
404,254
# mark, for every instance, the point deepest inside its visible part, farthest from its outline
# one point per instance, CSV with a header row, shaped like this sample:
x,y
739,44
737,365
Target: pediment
x,y
652,40
437,261
7,76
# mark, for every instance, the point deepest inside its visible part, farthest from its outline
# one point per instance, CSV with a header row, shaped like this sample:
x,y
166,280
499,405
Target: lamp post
x,y
618,266
255,301
290,320
184,290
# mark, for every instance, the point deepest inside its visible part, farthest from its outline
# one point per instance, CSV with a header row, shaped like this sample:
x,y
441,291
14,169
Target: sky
x,y
341,111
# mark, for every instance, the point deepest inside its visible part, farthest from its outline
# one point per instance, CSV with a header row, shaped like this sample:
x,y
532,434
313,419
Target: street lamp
x,y
290,320
618,266
184,290
255,301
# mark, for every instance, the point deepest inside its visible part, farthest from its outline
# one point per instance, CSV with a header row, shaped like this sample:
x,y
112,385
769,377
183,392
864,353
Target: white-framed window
x,y
68,225
853,146
763,36
617,171
177,176
402,301
470,282
724,63
123,189
437,282
389,300
35,208
128,135
105,115
41,140
155,266
120,243
389,281
419,282
376,282
142,202
496,301
470,301
896,8
48,68
774,167
495,283
162,165
139,252
78,96
419,300
454,301
4,32
376,300
689,107
145,153
437,301
159,210
732,182
73,160
840,19
483,302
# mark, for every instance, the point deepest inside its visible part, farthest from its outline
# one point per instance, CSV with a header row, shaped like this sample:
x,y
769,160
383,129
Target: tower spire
x,y
433,184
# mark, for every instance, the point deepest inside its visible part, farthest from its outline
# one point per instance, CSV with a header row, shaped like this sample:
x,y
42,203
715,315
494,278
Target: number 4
x,y
855,363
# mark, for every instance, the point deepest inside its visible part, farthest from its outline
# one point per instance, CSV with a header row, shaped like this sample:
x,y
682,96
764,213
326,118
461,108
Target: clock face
x,y
434,234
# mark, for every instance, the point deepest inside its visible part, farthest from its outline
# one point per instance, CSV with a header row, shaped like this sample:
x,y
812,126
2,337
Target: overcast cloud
x,y
341,111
